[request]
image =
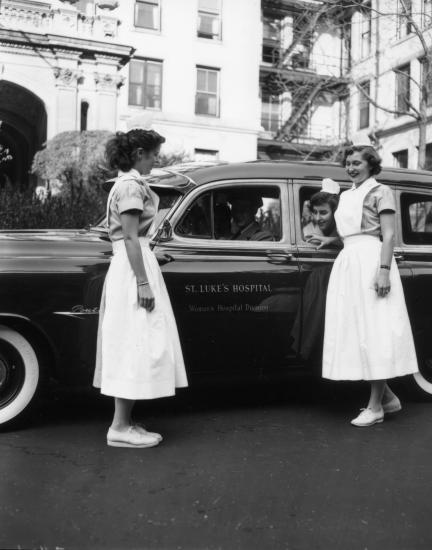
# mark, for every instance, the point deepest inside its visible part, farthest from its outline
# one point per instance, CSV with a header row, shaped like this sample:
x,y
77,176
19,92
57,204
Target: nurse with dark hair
x,y
138,353
367,330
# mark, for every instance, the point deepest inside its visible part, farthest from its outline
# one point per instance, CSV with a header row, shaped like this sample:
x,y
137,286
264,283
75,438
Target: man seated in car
x,y
244,207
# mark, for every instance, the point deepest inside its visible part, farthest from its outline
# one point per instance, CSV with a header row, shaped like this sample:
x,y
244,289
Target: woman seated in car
x,y
320,221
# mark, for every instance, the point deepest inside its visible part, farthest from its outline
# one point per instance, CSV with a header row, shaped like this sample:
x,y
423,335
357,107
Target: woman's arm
x,y
130,223
387,221
322,241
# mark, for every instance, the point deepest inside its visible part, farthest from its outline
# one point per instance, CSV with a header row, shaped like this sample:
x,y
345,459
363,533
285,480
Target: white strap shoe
x,y
368,418
141,429
131,438
392,406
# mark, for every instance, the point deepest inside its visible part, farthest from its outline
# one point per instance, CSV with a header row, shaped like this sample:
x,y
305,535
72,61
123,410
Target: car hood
x,y
54,243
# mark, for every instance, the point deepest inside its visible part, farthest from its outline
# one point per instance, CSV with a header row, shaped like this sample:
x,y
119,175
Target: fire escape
x,y
293,82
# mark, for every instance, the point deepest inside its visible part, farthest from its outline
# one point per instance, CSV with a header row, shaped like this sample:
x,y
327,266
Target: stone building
x,y
192,65
387,61
303,79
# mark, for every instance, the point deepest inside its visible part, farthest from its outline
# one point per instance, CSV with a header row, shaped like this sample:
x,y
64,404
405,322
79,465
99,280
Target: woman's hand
x,y
146,298
320,240
382,283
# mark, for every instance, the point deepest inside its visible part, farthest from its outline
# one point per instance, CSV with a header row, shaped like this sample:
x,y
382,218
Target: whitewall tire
x,y
423,378
19,374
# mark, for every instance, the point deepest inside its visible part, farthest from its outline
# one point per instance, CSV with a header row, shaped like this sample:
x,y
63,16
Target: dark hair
x,y
322,197
368,154
121,149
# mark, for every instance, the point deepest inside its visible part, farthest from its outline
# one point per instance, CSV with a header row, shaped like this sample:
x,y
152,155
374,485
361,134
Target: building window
x,y
427,79
209,19
84,116
403,88
364,105
145,83
426,13
404,14
401,158
147,14
207,93
206,154
366,31
271,113
428,163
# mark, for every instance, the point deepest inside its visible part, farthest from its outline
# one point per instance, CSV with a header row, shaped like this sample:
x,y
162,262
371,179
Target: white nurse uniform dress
x,y
138,352
366,337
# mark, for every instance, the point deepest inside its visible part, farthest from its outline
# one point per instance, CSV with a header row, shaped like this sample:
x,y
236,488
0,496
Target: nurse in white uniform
x,y
138,352
367,330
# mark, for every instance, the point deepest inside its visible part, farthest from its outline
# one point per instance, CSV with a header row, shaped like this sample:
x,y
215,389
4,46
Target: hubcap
x,y
3,373
12,373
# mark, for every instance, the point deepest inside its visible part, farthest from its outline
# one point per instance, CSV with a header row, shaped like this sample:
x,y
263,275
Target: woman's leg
x,y
376,395
122,413
388,394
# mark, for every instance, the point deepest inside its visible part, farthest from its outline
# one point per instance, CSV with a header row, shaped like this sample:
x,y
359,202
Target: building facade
x,y
390,40
303,80
190,66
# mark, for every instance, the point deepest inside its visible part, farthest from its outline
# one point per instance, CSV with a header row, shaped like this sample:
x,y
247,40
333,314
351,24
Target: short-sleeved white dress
x,y
138,352
366,337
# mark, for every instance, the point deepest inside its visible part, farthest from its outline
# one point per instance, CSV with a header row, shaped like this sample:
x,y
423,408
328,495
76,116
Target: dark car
x,y
247,303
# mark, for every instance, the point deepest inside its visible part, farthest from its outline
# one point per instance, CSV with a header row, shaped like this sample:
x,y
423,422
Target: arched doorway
x,y
23,131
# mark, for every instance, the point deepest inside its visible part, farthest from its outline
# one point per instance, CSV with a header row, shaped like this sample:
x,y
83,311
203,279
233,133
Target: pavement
x,y
273,466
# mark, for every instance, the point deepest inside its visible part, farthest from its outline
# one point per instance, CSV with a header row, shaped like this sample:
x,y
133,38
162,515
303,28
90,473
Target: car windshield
x,y
168,197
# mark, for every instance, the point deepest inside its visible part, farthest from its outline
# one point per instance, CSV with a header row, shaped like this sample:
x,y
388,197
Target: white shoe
x,y
368,418
141,429
130,438
392,406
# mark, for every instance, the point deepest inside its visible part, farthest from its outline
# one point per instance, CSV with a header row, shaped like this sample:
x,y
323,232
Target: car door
x,y
315,267
414,253
235,298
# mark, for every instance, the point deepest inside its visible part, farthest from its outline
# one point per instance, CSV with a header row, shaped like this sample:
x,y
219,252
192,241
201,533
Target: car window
x,y
305,214
241,213
416,212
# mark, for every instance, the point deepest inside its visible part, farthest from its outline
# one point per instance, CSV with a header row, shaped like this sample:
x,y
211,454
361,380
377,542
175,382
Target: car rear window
x,y
416,212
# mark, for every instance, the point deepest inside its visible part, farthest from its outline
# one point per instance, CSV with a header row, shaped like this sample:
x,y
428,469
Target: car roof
x,y
277,169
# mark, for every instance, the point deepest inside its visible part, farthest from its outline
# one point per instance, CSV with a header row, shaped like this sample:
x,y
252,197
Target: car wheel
x,y
423,378
19,375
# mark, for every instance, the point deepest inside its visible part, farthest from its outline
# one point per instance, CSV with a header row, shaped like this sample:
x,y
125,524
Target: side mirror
x,y
164,233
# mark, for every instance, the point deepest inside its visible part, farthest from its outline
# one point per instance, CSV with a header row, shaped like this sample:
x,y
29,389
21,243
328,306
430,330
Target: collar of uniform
x,y
132,172
366,183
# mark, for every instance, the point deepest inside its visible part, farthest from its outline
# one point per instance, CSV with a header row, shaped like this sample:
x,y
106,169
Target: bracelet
x,y
383,266
142,284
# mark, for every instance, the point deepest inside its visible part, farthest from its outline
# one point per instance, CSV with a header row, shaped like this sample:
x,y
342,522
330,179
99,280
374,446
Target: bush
x,y
75,160
24,209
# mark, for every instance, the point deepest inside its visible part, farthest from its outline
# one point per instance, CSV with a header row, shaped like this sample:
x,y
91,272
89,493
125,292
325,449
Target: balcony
x,y
39,17
313,134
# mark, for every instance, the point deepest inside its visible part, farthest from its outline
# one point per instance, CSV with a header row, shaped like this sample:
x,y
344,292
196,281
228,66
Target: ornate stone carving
x,y
66,76
107,81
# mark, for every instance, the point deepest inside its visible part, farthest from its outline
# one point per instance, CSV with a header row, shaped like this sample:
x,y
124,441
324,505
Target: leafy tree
x,y
74,158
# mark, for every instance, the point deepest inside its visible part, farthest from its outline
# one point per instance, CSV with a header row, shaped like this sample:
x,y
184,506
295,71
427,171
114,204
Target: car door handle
x,y
399,257
279,257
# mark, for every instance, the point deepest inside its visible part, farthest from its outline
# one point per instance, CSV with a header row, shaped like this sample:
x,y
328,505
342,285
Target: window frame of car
x,y
400,244
298,185
187,242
